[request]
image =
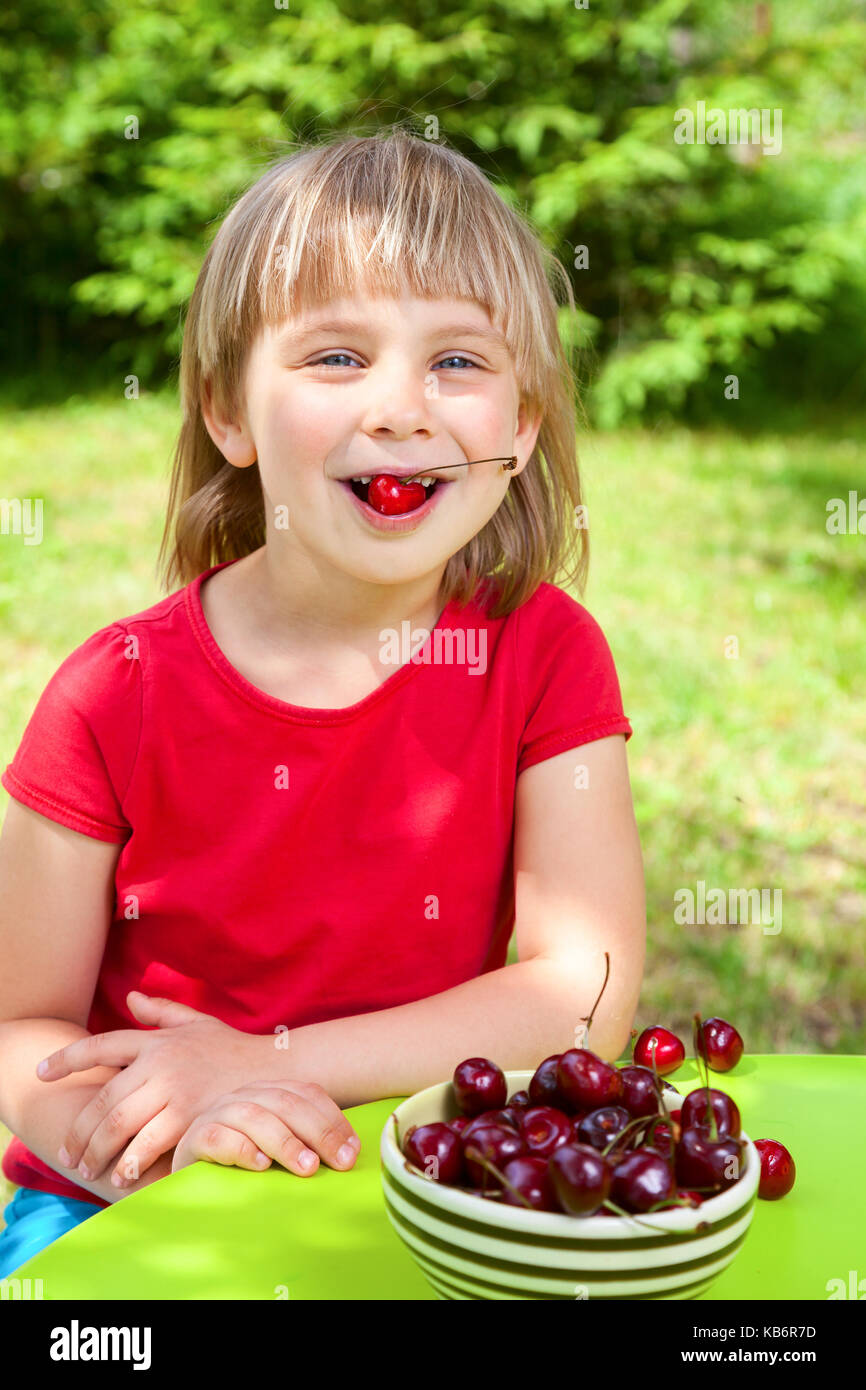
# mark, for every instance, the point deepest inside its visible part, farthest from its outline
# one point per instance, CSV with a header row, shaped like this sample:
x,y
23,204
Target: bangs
x,y
384,218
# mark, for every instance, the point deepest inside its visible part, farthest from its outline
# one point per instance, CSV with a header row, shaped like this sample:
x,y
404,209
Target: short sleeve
x,y
76,756
567,676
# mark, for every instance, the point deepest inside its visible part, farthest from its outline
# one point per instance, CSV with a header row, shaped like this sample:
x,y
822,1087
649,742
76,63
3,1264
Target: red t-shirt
x,y
284,865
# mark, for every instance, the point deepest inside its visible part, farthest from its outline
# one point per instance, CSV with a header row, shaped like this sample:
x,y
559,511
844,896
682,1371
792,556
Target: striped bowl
x,y
470,1247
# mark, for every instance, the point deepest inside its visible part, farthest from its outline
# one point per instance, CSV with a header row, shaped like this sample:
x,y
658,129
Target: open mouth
x,y
361,488
391,497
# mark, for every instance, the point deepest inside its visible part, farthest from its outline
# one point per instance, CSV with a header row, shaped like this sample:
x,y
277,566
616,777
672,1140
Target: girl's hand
x,y
170,1074
291,1121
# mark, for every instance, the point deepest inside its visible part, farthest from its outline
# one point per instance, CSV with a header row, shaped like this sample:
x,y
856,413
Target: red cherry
x,y
496,1143
640,1091
533,1181
520,1101
641,1180
719,1044
582,1178
492,1117
694,1200
544,1087
661,1142
778,1171
386,494
459,1124
701,1162
695,1111
599,1127
586,1081
660,1043
575,1123
479,1085
436,1150
544,1129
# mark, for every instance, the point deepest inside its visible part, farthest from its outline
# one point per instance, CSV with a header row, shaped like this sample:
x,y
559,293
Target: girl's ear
x,y
232,438
525,436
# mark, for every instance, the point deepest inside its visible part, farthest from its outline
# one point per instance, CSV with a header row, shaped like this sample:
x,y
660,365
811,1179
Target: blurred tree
x,y
127,131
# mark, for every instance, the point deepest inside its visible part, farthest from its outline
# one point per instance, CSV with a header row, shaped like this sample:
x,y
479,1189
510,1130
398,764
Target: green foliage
x,y
704,260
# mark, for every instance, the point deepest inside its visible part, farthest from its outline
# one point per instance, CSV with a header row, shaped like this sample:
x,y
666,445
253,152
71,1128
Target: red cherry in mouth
x,y
660,1044
386,494
778,1171
479,1085
719,1044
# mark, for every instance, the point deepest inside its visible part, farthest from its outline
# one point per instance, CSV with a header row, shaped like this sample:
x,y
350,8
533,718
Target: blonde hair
x,y
391,211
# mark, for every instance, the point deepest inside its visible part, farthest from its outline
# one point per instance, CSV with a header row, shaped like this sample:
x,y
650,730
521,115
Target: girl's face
x,y
363,386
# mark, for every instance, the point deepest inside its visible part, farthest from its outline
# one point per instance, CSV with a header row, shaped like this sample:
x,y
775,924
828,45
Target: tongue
x,y
389,496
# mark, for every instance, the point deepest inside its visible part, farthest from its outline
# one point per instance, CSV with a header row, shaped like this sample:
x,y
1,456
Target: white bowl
x,y
470,1247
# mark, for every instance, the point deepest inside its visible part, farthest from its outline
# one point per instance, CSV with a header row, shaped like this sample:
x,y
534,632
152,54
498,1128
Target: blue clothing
x,y
35,1220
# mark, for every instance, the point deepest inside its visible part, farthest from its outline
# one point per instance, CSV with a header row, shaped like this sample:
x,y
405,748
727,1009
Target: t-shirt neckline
x,y
271,703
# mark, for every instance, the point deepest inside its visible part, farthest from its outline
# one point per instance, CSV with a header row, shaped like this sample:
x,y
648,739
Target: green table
x,y
210,1232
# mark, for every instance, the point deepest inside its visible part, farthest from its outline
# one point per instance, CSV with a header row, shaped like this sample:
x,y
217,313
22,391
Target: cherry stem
x,y
588,1021
486,1163
664,1120
711,1114
504,458
612,1206
673,1202
627,1129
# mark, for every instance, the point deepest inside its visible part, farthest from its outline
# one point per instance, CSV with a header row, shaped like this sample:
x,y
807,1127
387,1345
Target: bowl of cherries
x,y
580,1179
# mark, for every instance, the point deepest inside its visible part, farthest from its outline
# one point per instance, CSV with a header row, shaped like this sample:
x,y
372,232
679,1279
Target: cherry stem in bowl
x,y
478,1157
699,1057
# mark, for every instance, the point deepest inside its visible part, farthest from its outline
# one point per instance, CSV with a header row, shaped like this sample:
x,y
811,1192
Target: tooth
x,y
427,481
364,480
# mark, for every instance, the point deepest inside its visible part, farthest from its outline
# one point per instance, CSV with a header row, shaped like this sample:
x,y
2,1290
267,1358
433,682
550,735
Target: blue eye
x,y
330,360
325,361
457,358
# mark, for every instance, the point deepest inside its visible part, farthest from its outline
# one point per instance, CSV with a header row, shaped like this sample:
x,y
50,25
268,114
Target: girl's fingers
x,y
216,1142
128,1121
116,1049
157,1137
102,1127
311,1114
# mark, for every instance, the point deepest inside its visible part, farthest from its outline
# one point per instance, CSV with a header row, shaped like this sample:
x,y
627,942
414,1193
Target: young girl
x,y
269,839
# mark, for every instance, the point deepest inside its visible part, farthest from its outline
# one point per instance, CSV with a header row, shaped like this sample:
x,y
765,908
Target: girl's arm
x,y
56,896
579,891
42,1116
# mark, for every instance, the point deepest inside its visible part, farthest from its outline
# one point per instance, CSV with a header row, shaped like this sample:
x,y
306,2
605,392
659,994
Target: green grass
x,y
746,773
